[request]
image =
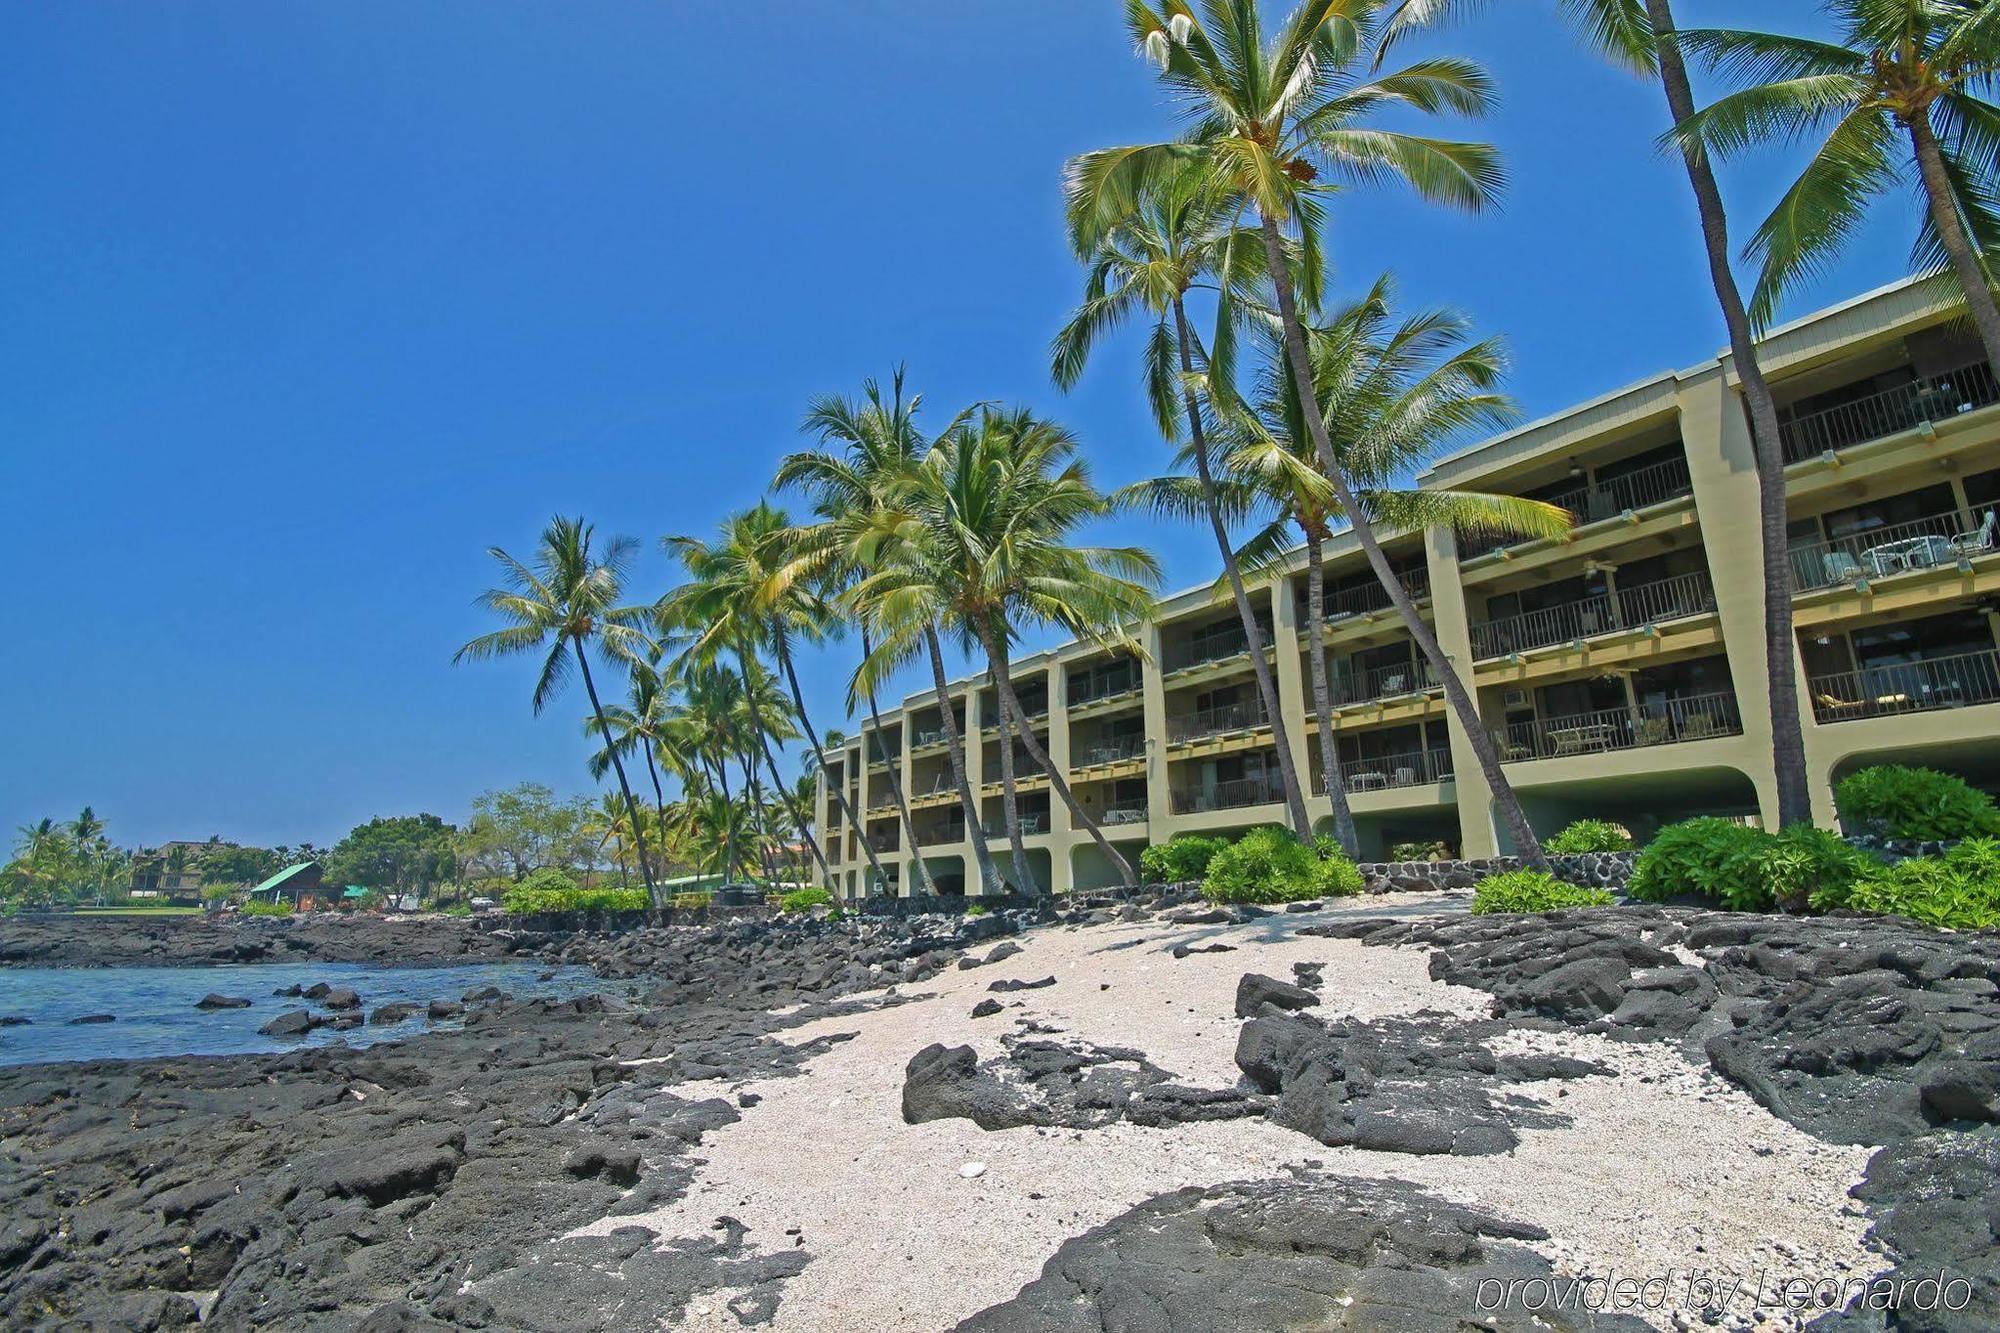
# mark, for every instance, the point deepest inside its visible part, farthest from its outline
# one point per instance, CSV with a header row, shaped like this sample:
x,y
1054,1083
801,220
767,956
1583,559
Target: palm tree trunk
x,y
819,757
729,857
1010,806
989,874
1010,707
1329,752
1788,742
1958,246
921,871
631,806
1267,685
1461,701
759,830
792,807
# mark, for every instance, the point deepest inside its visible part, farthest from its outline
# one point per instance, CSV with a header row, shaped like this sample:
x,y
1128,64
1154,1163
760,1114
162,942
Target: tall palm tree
x,y
562,605
1180,236
633,727
990,514
702,731
1641,35
1274,122
745,592
861,442
1393,394
868,451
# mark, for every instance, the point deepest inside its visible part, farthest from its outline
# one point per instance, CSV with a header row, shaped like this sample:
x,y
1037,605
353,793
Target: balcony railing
x,y
1121,750
1629,608
1116,815
941,835
1907,687
1107,685
1360,687
1359,600
1030,826
1697,717
1025,768
884,842
934,736
1654,484
1922,543
1889,412
1037,713
1223,721
1412,768
1216,645
1229,796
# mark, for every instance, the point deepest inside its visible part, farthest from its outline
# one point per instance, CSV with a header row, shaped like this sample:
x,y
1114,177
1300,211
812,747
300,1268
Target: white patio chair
x,y
1979,539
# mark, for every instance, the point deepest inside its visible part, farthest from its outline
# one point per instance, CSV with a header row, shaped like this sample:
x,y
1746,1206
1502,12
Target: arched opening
x,y
1643,802
1091,870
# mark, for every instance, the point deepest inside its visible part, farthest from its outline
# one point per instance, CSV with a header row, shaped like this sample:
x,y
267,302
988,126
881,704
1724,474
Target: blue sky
x,y
307,304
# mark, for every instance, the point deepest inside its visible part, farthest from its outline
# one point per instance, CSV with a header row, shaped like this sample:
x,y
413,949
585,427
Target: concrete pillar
x,y
1477,835
1061,826
1294,698
975,770
1159,802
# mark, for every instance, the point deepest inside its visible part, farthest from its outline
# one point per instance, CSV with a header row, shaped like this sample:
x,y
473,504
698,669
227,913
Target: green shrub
x,y
690,902
1958,891
258,907
550,890
1807,866
1419,851
1712,858
1915,805
804,900
1590,835
1532,891
1183,857
1269,865
976,909
460,908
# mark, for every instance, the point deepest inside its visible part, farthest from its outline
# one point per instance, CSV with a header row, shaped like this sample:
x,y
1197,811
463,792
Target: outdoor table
x,y
1581,740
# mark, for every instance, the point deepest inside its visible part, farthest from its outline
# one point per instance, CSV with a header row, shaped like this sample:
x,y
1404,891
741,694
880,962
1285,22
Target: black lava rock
x,y
214,1001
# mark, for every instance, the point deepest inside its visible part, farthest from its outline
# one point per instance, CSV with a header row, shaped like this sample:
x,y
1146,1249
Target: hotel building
x,y
1620,668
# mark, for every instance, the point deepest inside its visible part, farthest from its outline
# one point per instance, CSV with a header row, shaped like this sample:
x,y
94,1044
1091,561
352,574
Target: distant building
x,y
300,885
171,870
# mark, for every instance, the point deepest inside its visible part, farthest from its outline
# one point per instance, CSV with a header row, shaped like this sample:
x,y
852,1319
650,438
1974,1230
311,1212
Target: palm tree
x,y
1272,122
867,450
1393,394
1179,237
861,445
632,727
701,731
566,602
989,514
744,592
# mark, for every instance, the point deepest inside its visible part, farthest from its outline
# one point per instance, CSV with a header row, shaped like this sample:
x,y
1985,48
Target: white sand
x,y
1656,1175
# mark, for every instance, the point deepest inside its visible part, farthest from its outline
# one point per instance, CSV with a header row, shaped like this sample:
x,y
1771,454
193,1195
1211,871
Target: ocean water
x,y
155,1013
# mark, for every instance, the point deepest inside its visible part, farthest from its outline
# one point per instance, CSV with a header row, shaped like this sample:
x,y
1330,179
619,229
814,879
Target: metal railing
x,y
1025,769
935,736
940,835
1921,543
1118,751
1387,682
1922,686
1654,484
1107,684
1411,768
1363,598
1215,645
1889,412
1229,795
1037,711
1222,721
1114,815
1030,826
1643,604
1697,717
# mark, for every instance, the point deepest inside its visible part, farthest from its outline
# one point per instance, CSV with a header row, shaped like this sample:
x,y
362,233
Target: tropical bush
x,y
1270,865
1419,851
1958,891
976,909
1712,858
1590,835
804,900
1915,805
550,890
1805,865
1532,891
1184,857
258,907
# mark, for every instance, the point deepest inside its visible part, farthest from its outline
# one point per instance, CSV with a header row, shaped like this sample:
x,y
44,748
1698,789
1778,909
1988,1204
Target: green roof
x,y
277,881
354,891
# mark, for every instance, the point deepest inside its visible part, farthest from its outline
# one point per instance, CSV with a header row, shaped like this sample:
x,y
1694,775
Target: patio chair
x,y
1840,567
1833,710
1979,539
1403,777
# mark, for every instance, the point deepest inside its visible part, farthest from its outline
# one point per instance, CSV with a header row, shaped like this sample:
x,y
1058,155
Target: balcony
x,y
1031,825
1412,768
1594,502
1388,682
1341,603
884,842
1888,412
941,835
1217,644
1121,816
1104,685
1230,796
1695,718
923,740
1211,723
1924,543
1025,769
1607,613
1922,686
1037,716
1122,750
